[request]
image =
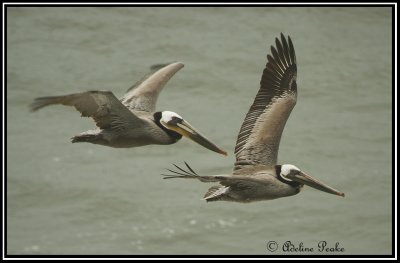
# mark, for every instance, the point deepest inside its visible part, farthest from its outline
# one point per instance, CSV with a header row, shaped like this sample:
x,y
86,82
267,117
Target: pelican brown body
x,y
256,175
131,121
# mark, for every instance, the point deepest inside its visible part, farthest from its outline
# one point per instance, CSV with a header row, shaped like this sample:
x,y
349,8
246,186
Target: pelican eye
x,y
175,120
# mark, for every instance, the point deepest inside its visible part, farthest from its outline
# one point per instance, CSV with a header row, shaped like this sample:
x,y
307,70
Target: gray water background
x,y
65,198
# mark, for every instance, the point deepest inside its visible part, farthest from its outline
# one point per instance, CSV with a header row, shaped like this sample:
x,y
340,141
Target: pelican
x,y
131,121
256,175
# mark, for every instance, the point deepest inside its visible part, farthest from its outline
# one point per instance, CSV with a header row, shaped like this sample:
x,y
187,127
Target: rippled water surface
x,y
65,198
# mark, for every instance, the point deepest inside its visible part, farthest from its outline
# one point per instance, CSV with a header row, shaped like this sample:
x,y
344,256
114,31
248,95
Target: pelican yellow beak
x,y
308,180
185,129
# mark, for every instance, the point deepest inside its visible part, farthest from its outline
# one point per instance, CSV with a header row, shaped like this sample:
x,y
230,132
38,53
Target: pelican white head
x,y
167,116
287,169
174,122
291,173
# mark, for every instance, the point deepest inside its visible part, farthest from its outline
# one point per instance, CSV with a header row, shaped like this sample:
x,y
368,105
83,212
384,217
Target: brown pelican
x,y
131,121
256,175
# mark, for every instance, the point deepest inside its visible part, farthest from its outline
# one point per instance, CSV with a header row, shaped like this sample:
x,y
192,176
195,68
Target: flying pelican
x,y
131,121
256,175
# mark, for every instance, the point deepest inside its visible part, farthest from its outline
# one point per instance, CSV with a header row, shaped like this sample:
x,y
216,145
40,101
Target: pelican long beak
x,y
308,180
187,130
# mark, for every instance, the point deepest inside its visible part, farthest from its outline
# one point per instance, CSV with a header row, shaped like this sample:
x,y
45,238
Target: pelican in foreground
x,y
256,175
131,121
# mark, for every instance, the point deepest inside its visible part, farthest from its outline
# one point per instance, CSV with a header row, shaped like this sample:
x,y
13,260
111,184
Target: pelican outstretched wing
x,y
106,110
260,134
142,96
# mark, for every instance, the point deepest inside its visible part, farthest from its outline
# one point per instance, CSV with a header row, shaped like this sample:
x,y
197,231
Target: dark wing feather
x,y
106,110
142,96
259,136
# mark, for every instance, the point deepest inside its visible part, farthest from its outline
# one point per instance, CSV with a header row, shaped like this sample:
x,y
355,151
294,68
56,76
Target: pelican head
x,y
178,127
291,174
